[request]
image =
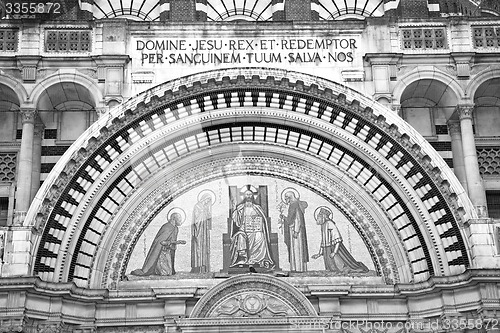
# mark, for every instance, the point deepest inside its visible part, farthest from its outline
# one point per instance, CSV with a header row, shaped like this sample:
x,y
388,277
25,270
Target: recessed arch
x,y
480,78
10,103
295,302
16,87
487,107
88,84
427,74
331,126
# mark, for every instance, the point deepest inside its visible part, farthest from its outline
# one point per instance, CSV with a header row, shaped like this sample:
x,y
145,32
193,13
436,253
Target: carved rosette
x,y
465,111
253,304
28,115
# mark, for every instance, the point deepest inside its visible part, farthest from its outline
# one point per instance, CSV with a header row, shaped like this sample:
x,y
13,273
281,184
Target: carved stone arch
x,y
233,292
16,86
331,126
422,74
491,72
77,78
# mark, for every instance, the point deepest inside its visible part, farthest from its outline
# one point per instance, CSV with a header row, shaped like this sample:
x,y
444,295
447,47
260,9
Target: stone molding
x,y
134,109
289,296
454,127
465,111
478,287
28,115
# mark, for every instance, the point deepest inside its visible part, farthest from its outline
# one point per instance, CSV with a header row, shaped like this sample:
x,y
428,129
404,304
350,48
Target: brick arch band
x,y
292,114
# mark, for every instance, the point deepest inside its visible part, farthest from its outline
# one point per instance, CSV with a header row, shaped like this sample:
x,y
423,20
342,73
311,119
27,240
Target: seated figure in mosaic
x,y
250,242
335,255
161,256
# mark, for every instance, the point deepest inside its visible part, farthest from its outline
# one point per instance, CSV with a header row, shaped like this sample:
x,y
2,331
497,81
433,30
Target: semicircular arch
x,y
57,78
482,77
16,87
423,74
327,122
295,303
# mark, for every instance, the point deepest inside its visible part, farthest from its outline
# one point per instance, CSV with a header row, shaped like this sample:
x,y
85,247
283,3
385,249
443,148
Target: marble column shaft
x,y
24,174
37,159
475,184
458,153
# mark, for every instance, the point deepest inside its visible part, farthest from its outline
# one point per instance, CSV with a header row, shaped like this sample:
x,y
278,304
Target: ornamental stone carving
x,y
28,115
454,127
465,111
253,295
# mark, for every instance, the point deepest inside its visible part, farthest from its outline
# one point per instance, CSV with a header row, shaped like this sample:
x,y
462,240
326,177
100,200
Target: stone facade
x,y
290,166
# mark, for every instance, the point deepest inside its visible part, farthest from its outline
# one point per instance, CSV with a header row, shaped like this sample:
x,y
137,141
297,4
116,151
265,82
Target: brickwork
x,y
182,11
278,12
414,9
298,10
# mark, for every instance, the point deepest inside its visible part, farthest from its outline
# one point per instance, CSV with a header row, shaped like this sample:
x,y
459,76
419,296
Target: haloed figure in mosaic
x,y
161,256
250,241
294,229
337,258
200,232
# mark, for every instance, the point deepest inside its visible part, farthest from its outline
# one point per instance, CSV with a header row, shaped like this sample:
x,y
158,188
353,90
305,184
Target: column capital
x,y
453,127
465,111
39,130
28,115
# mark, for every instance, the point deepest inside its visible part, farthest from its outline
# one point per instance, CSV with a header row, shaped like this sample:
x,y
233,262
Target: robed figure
x,y
335,255
250,241
161,256
200,232
294,231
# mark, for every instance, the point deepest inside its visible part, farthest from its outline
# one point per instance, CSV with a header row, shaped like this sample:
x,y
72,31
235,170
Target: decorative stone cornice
x,y
28,115
465,111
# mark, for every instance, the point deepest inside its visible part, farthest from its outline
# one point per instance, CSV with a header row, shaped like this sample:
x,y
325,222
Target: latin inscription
x,y
246,51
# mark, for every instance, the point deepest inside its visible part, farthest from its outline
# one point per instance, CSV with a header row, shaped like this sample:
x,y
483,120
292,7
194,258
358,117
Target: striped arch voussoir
x,y
255,84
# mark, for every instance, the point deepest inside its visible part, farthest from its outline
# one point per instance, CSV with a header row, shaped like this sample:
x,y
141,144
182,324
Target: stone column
x,y
474,181
24,174
457,151
37,159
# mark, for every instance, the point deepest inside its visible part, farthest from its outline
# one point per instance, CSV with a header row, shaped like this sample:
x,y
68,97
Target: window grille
x,y
486,36
422,39
7,167
488,159
8,40
493,202
67,41
4,210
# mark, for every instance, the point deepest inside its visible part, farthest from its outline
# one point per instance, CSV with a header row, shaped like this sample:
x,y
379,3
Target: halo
x,y
177,210
210,192
250,188
316,212
289,189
